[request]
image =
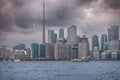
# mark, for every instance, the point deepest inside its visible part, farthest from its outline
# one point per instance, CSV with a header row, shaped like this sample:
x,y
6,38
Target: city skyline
x,y
78,12
68,48
52,39
59,39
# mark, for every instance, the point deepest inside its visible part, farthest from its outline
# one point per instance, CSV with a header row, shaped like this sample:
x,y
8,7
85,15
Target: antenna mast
x,y
43,21
84,31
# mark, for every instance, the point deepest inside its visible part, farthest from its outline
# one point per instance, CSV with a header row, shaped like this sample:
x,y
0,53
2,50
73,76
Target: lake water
x,y
60,70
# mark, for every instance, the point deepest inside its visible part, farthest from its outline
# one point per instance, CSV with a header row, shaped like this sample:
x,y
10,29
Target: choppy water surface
x,y
60,70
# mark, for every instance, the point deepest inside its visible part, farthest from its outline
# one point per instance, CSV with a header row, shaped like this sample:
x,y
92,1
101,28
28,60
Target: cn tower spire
x,y
44,9
43,21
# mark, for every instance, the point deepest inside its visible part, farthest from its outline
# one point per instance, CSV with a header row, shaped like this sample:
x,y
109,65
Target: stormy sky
x,y
20,20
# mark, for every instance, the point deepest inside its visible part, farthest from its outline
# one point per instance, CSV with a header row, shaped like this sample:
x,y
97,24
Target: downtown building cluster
x,y
109,49
19,51
72,47
61,48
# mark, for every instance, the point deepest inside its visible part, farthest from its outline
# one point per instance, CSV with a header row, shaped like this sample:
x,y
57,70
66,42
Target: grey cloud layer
x,y
19,16
24,13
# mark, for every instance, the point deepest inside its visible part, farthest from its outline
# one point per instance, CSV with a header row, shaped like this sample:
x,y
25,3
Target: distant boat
x,y
16,60
9,60
80,60
77,60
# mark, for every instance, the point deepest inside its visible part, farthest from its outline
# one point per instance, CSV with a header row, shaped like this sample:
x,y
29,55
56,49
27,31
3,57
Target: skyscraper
x,y
52,37
4,53
62,51
95,42
44,21
114,45
55,38
61,33
78,39
103,41
74,52
42,50
83,48
21,46
28,51
72,31
49,49
113,33
34,47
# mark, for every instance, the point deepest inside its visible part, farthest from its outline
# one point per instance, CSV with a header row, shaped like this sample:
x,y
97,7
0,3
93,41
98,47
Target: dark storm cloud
x,y
114,4
18,16
84,2
19,3
65,14
25,21
61,15
1,3
4,19
12,14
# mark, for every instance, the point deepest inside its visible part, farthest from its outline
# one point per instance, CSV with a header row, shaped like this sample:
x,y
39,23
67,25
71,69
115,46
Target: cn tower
x,y
43,21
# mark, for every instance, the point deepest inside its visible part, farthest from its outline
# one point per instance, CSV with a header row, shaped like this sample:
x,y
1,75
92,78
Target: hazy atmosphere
x,y
20,20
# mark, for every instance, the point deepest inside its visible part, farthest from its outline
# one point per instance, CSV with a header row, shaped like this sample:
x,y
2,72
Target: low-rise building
x,y
22,57
12,56
106,55
19,54
96,53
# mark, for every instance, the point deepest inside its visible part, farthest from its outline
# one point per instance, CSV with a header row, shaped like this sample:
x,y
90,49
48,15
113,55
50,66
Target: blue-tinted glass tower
x,y
52,37
113,33
34,47
61,33
95,42
103,41
42,50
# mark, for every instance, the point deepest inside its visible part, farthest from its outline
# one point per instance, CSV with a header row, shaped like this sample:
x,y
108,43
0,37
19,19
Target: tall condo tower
x,y
43,21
